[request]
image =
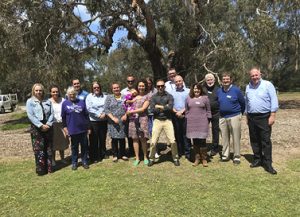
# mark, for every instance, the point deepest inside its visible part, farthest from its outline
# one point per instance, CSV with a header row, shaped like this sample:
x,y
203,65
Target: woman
x,y
98,123
151,89
60,140
116,113
75,123
40,114
197,115
139,131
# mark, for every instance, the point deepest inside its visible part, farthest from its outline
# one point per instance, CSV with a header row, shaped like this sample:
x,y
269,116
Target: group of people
x,y
141,112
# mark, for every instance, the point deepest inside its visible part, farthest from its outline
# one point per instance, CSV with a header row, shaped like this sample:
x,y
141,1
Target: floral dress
x,y
115,107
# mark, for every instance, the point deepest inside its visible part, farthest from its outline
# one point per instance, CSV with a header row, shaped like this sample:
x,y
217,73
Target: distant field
x,y
289,95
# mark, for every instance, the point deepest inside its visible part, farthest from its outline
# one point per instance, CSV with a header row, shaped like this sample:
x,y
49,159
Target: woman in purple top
x,y
197,115
75,122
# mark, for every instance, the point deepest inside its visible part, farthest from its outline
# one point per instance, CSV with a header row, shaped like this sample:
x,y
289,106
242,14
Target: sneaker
x,y
236,161
157,156
74,167
115,159
86,166
176,163
151,163
125,158
224,159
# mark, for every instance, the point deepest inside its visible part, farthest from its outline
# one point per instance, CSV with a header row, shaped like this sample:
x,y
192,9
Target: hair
x,y
227,74
34,86
210,75
199,86
74,80
159,80
55,86
115,82
145,83
172,68
96,82
130,75
70,90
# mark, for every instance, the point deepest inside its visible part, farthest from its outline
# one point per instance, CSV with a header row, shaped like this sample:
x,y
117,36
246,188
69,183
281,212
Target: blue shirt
x,y
232,101
82,94
95,106
180,96
262,98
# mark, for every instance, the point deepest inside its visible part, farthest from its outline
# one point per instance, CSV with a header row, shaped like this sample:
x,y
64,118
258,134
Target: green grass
x,y
119,189
17,121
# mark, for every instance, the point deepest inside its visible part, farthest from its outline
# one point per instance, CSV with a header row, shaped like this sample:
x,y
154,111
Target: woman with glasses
x,y
40,114
116,113
95,102
60,140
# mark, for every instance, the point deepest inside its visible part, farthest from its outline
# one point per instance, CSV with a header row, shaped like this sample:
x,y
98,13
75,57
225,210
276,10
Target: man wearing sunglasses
x,y
161,105
130,85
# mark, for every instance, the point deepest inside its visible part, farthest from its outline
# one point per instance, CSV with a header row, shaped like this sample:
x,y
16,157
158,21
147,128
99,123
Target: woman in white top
x,y
60,140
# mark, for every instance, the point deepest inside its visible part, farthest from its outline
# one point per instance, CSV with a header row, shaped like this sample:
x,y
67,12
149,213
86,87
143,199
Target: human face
x,y
210,82
130,82
96,89
149,83
179,82
54,93
116,89
226,81
160,86
171,75
197,91
72,96
76,84
141,87
38,92
255,76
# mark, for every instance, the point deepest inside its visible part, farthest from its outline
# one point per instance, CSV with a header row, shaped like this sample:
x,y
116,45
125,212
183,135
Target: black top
x,y
167,101
213,98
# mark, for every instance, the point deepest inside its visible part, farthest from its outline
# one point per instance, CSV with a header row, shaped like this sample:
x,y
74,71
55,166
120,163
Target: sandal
x,y
136,162
146,161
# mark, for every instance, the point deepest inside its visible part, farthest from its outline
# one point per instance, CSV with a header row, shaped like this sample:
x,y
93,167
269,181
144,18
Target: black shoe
x,y
151,163
270,170
213,152
224,159
74,167
86,166
176,163
256,163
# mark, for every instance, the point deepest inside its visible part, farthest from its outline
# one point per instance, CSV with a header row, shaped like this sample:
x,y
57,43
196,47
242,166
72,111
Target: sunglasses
x,y
130,81
160,86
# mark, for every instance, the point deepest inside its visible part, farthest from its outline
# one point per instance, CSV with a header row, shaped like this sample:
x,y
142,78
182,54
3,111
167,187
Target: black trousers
x,y
260,137
215,130
97,148
118,151
183,143
129,139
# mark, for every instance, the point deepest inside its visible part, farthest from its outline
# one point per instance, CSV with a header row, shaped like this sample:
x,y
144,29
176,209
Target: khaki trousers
x,y
158,127
231,126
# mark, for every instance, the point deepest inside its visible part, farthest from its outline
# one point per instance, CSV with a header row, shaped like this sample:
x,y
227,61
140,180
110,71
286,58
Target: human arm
x,y
241,100
30,104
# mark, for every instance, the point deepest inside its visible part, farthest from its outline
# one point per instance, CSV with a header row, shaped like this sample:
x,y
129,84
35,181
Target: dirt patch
x,y
285,137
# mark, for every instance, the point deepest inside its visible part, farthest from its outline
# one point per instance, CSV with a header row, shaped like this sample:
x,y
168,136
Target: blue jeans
x,y
75,140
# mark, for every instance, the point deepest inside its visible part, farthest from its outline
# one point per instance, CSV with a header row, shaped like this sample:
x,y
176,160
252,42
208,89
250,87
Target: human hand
x,y
271,120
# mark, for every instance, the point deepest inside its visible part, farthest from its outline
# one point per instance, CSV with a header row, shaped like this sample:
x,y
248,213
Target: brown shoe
x,y
203,153
197,160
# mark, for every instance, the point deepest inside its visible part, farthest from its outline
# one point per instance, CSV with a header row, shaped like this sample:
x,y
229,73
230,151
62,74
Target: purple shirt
x,y
75,116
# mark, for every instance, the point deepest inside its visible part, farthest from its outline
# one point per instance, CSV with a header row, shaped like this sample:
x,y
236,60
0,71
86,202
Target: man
x,y
232,106
170,84
124,92
161,105
180,95
261,107
211,89
82,94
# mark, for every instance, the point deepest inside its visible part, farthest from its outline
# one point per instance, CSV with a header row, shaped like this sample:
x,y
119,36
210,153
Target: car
x,y
6,103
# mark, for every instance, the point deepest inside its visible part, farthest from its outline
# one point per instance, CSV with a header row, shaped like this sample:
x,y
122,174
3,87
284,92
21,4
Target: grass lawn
x,y
17,121
120,189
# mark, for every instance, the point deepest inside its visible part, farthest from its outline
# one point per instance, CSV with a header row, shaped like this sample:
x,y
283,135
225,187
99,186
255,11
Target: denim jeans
x,y
75,140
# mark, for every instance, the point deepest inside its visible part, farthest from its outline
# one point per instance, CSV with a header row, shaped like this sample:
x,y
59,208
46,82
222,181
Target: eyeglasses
x,y
130,81
160,86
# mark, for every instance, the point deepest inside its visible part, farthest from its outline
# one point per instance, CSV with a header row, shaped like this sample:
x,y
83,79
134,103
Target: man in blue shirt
x,y
232,106
261,107
180,94
81,94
